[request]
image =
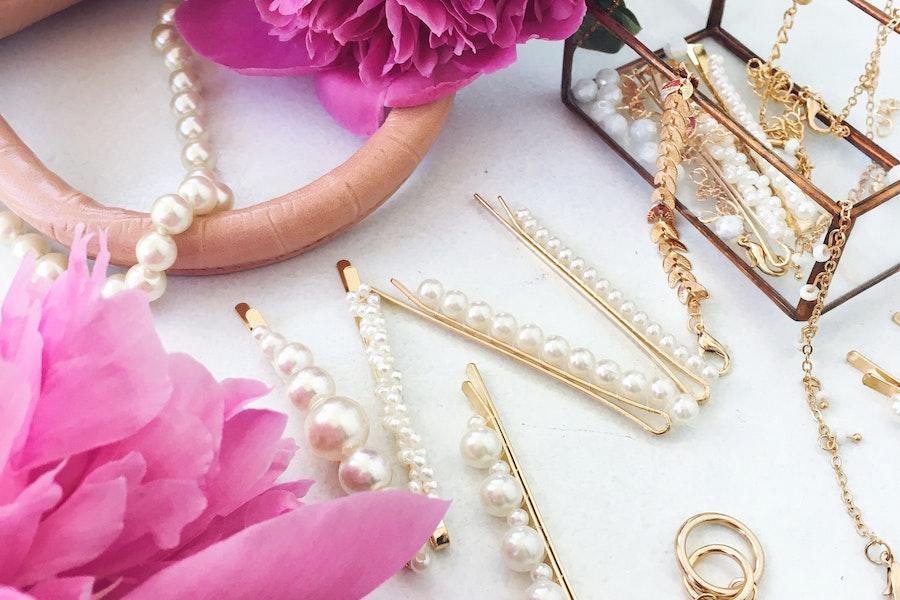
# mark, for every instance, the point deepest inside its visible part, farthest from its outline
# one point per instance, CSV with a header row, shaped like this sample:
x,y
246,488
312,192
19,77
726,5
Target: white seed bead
x,y
430,292
633,382
518,517
522,548
504,327
163,35
177,56
809,292
498,467
156,251
308,386
114,284
153,283
200,191
50,266
172,214
667,341
476,422
479,315
191,127
581,362
606,371
545,590
197,153
291,358
555,350
365,470
640,319
183,80
821,252
480,448
684,408
336,427
653,330
454,304
627,308
11,226
615,297
501,494
30,242
589,275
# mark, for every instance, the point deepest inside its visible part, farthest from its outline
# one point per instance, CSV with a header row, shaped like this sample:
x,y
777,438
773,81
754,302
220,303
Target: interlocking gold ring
x,y
751,570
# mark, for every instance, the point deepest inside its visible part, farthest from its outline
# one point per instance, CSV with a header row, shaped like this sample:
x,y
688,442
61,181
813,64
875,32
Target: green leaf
x,y
593,36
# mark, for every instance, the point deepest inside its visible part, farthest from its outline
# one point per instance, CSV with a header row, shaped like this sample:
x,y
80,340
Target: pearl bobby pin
x,y
365,307
505,493
651,419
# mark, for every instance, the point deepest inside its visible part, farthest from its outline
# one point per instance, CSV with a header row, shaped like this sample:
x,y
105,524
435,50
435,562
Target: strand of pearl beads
x,y
659,392
522,548
336,427
365,305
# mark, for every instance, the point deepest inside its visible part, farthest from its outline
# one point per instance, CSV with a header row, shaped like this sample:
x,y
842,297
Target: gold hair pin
x,y
526,546
651,419
878,379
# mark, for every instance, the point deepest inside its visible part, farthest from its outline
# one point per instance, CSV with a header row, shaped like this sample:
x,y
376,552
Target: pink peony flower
x,y
129,472
369,54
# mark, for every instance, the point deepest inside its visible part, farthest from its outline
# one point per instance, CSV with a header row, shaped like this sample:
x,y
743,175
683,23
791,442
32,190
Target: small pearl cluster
x,y
523,548
365,305
336,427
13,232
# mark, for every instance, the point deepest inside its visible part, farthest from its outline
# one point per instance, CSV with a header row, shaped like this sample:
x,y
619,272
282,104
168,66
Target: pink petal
x,y
19,522
66,588
231,33
356,107
239,392
338,550
14,404
9,593
77,531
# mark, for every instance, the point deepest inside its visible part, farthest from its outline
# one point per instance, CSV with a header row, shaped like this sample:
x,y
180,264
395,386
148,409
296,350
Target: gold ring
x,y
687,562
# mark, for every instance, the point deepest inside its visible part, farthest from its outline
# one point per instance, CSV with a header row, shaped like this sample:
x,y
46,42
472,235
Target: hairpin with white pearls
x,y
365,307
336,427
526,546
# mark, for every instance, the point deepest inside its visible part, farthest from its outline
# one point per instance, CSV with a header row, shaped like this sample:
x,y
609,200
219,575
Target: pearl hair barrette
x,y
876,378
526,546
200,193
365,307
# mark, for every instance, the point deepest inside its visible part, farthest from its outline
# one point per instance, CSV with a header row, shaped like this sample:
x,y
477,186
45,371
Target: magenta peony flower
x,y
129,472
369,54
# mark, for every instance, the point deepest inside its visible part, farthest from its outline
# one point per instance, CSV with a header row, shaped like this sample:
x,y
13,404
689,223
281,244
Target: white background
x,y
87,92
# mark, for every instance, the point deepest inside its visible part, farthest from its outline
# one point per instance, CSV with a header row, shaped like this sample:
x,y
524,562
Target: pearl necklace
x,y
200,193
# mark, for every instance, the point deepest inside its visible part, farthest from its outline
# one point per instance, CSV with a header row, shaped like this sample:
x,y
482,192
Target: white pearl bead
x,y
166,12
504,327
555,350
821,252
667,341
662,390
677,49
600,109
224,197
606,371
501,494
308,386
615,125
30,242
151,282
709,373
163,35
791,146
530,339
541,572
11,226
197,153
522,214
522,548
518,517
585,90
156,251
728,227
565,256
454,304
200,192
681,353
183,80
545,590
602,287
615,297
633,382
581,362
530,225
895,407
422,560
695,363
50,266
365,470
177,56
577,265
270,343
809,292
335,427
627,308
553,245
480,448
606,77
653,330
684,408
541,235
172,214
892,176
186,103
640,319
589,275
291,358
430,293
479,315
113,285
644,130
191,127
647,152
476,422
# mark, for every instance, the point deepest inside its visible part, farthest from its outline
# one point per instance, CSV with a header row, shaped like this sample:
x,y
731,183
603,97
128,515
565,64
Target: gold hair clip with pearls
x,y
526,546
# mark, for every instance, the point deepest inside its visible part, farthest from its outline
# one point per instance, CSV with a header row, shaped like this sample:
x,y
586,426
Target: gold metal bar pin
x,y
874,377
476,391
662,421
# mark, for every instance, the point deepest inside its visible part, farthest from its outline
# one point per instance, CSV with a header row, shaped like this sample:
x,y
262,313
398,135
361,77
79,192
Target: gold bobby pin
x,y
874,377
896,318
667,363
476,391
350,278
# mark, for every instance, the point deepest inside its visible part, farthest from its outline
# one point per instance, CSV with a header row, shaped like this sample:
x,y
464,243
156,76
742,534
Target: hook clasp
x,y
709,344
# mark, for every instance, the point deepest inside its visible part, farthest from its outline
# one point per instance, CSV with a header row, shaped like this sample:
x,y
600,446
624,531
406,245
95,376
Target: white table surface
x,y
87,92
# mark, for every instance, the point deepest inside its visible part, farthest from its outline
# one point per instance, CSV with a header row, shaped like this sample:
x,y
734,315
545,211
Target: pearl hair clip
x,y
365,307
878,379
526,546
651,419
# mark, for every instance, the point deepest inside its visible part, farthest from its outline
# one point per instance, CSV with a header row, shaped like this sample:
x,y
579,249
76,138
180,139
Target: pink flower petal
x,y
8,593
339,550
14,403
19,522
356,107
66,588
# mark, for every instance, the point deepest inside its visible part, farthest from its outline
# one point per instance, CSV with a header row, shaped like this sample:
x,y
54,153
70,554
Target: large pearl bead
x,y
50,266
198,153
581,362
11,226
480,448
186,103
684,408
662,390
501,493
200,191
585,90
728,227
530,339
365,470
335,427
191,127
522,548
291,358
30,242
615,125
479,315
183,80
555,350
172,214
633,382
156,251
114,284
504,327
606,371
177,56
430,293
545,590
270,342
308,386
644,130
153,283
454,304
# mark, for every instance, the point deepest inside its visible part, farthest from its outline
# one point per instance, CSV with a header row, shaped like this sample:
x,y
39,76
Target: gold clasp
x,y
708,343
885,559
